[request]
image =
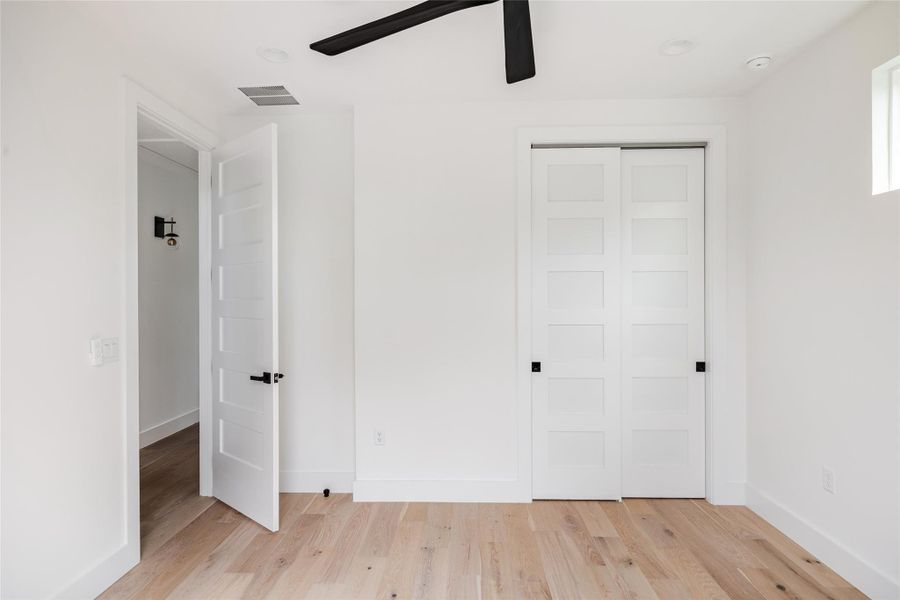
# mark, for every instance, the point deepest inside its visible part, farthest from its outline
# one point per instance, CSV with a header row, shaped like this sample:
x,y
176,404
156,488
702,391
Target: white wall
x,y
63,493
823,308
167,298
315,262
436,290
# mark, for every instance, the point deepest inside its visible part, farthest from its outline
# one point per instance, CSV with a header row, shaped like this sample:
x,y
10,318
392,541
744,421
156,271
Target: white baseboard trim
x,y
167,428
301,482
95,580
729,493
382,490
855,569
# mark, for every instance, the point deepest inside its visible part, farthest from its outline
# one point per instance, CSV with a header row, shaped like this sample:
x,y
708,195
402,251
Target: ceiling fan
x,y
516,31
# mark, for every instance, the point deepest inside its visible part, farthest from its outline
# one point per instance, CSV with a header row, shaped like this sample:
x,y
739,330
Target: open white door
x,y
245,325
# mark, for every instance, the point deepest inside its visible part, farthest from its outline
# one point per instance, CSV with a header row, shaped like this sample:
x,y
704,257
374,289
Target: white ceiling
x,y
154,138
584,50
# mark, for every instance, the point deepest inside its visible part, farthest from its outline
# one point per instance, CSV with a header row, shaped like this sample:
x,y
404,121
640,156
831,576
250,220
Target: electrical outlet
x,y
379,437
828,480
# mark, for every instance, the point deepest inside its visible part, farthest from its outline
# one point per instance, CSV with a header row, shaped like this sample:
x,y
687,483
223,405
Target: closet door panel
x,y
576,326
663,397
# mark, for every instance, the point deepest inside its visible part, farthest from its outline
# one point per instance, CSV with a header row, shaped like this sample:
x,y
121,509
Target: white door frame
x,y
140,101
713,138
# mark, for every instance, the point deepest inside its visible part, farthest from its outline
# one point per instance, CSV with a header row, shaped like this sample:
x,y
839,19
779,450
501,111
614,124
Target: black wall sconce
x,y
159,230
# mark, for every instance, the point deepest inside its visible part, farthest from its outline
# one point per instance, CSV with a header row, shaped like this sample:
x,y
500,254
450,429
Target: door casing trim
x,y
138,100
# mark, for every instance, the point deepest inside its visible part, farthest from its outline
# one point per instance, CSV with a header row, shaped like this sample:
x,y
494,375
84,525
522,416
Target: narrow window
x,y
886,127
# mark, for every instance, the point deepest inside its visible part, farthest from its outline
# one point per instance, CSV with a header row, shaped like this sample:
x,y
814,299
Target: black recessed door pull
x,y
266,377
701,367
535,367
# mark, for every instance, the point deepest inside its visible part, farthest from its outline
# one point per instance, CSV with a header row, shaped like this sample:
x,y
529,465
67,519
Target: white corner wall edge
x,y
304,482
167,428
98,578
420,490
838,557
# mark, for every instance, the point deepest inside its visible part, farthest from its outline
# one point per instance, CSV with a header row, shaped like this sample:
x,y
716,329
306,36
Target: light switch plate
x,y
110,349
95,352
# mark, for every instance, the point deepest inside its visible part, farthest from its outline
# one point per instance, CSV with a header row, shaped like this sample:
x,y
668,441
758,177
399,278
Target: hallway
x,y
170,486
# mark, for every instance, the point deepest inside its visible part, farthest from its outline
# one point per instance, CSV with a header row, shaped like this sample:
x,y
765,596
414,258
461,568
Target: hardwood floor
x,y
170,488
333,548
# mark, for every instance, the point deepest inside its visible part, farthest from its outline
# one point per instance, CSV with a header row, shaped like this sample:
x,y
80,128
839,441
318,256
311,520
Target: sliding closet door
x,y
576,323
663,395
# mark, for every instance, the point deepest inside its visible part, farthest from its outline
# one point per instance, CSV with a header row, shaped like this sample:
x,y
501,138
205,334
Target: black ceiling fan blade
x,y
412,16
518,41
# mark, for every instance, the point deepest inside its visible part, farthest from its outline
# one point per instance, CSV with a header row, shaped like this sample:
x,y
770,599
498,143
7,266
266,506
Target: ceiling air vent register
x,y
269,95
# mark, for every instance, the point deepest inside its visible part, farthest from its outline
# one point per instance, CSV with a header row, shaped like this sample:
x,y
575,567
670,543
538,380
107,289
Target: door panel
x,y
245,325
663,398
576,323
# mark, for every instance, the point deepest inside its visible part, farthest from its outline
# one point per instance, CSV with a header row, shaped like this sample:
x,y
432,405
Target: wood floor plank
x,y
719,554
643,552
798,555
692,574
206,579
382,529
596,521
347,543
401,570
162,571
300,577
286,552
786,575
523,553
562,576
227,585
366,573
334,549
170,491
627,574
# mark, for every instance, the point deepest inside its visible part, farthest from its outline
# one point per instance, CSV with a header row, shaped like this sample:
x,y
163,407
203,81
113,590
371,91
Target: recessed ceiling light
x,y
275,55
676,47
759,63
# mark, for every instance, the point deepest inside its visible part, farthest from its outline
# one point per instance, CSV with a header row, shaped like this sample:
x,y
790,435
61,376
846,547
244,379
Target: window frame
x,y
886,127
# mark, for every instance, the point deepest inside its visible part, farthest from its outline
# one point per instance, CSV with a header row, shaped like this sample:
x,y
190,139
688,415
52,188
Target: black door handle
x,y
266,377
